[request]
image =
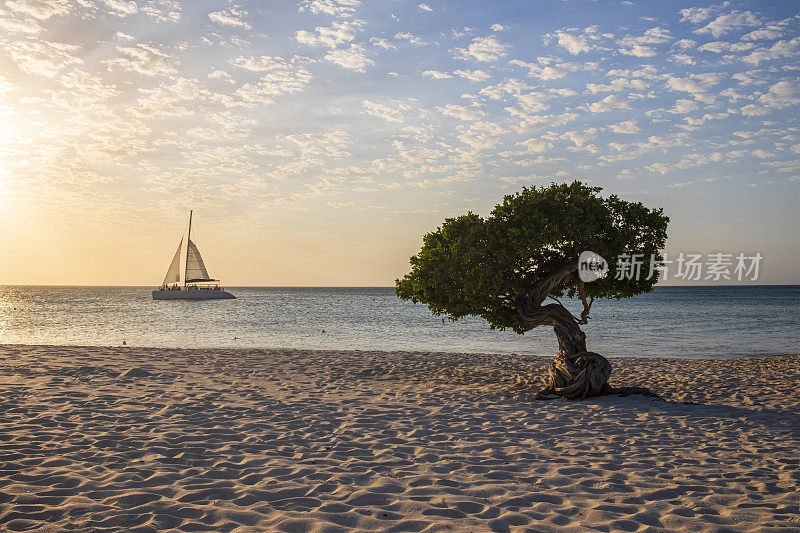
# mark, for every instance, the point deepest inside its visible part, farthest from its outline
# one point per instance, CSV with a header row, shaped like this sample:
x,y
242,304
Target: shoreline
x,y
331,440
268,349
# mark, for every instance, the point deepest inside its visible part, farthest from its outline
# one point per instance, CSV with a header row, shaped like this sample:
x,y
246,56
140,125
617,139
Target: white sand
x,y
139,440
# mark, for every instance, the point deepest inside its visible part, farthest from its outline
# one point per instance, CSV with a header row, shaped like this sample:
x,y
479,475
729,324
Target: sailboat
x,y
196,281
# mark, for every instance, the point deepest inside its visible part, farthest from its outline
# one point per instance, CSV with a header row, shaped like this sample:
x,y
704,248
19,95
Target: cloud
x,y
473,75
338,33
696,14
263,63
382,43
314,145
750,77
732,94
608,103
461,112
683,106
40,9
682,59
336,8
353,58
233,17
684,44
509,86
769,31
179,96
695,84
529,104
221,75
626,80
580,137
534,146
535,101
16,25
639,46
494,123
84,92
719,47
386,112
122,7
629,127
735,20
693,123
780,49
780,95
410,38
481,135
531,122
436,75
577,41
142,58
425,7
638,50
483,49
548,71
280,77
574,44
44,58
163,10
619,84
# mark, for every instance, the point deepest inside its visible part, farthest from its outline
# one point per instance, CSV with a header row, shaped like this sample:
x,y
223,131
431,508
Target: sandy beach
x,y
244,440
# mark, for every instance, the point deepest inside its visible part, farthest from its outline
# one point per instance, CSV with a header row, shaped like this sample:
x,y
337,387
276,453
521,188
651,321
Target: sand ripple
x,y
134,439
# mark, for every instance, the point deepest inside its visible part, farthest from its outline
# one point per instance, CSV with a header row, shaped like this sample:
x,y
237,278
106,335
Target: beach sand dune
x,y
244,440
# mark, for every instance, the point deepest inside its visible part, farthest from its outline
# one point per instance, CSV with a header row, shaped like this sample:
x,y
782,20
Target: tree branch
x,y
578,320
543,288
587,306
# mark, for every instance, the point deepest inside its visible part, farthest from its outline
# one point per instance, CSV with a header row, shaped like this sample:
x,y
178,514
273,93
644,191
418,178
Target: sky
x,y
318,140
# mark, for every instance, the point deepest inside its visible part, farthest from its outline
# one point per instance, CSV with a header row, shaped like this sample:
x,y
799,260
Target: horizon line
x,y
658,286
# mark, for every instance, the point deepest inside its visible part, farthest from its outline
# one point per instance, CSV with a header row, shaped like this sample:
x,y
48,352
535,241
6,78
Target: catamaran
x,y
196,281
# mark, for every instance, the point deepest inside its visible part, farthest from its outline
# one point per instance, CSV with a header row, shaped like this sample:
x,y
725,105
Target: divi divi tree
x,y
513,268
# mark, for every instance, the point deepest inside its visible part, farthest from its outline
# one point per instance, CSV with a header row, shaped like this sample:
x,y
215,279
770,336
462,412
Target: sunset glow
x,y
318,140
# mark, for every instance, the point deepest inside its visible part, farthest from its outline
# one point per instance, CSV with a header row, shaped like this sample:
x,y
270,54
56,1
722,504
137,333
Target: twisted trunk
x,y
575,372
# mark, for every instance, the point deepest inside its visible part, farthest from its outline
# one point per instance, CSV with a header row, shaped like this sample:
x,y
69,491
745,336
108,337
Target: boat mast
x,y
188,240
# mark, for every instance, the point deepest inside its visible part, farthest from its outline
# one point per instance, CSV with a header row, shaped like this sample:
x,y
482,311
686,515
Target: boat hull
x,y
193,294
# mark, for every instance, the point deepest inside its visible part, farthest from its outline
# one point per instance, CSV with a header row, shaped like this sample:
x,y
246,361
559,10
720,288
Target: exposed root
x,y
583,375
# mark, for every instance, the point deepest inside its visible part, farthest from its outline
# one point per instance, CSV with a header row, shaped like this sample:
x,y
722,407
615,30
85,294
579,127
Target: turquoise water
x,y
671,321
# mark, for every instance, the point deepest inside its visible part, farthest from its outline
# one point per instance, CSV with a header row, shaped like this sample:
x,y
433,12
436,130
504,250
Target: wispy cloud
x,y
234,17
353,58
323,103
482,49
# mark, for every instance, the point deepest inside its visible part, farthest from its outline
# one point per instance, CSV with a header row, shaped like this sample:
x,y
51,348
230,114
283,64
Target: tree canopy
x,y
528,248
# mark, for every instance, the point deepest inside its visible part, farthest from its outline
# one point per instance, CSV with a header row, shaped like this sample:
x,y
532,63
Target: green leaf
x,y
471,266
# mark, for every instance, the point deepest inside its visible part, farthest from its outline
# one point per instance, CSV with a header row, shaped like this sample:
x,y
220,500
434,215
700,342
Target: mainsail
x,y
195,269
174,272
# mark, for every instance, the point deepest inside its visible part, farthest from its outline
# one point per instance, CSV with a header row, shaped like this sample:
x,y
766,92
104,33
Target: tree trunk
x,y
575,373
571,339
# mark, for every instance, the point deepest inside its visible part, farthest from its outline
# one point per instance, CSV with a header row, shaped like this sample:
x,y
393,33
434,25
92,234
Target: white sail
x,y
174,271
195,269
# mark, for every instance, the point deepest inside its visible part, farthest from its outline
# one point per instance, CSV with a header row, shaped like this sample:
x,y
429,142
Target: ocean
x,y
668,322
